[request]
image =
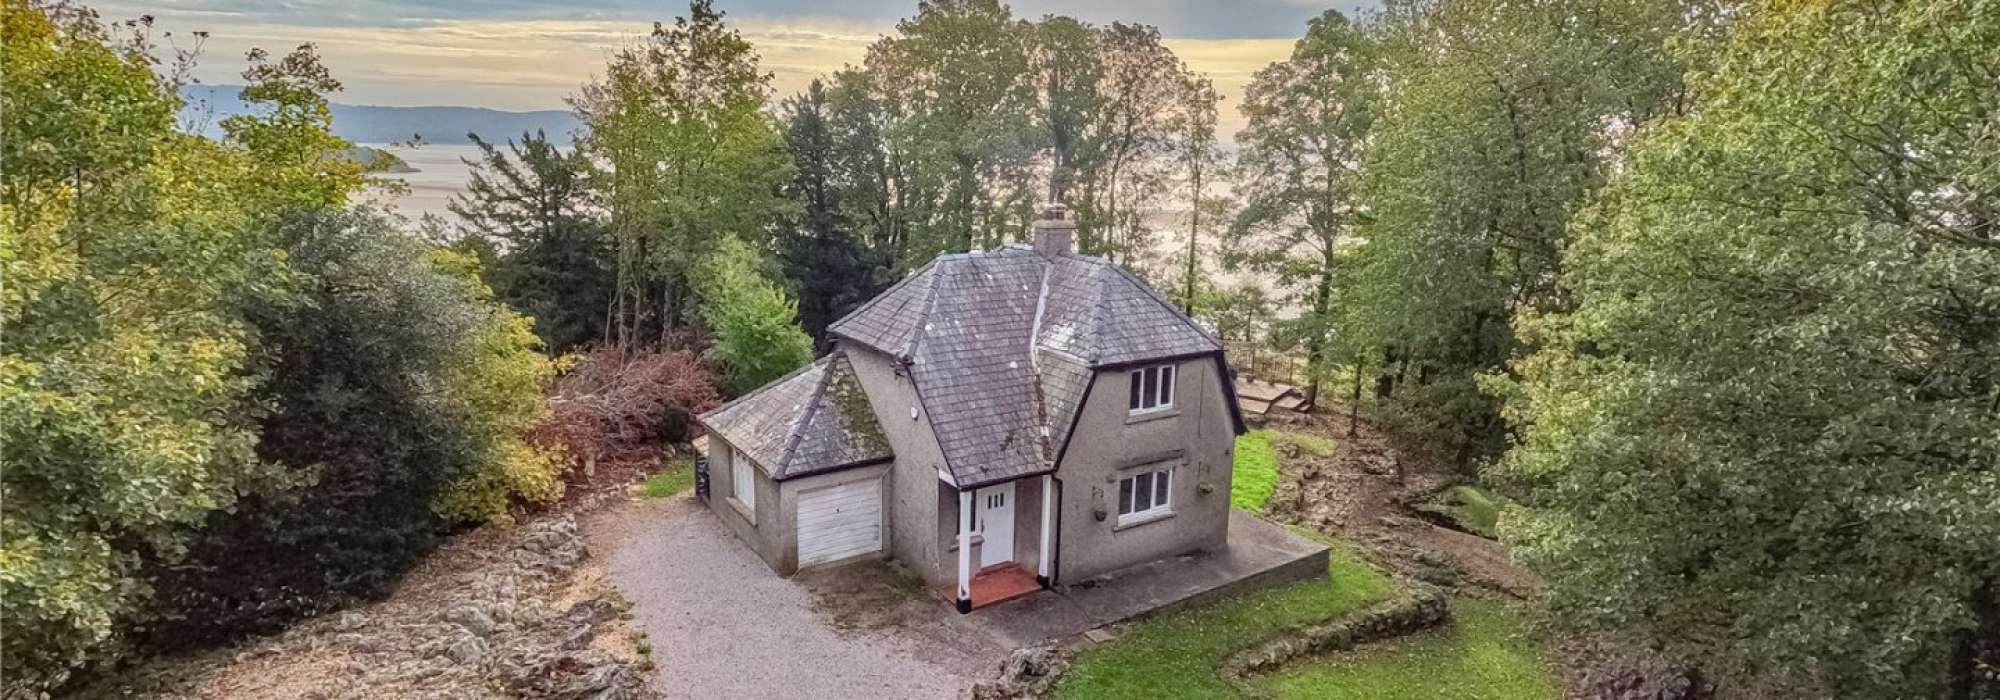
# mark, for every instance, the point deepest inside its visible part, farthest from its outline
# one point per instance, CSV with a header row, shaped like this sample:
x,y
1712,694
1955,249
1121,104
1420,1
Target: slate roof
x,y
1001,346
815,419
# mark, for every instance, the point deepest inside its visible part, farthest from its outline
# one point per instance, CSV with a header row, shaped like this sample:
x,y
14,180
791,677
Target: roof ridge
x,y
884,294
718,410
923,320
799,425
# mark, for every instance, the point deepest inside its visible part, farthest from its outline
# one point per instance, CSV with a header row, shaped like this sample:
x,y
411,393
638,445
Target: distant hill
x,y
208,104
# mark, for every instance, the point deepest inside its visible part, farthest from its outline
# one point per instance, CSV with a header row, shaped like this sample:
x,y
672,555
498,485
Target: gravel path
x,y
723,626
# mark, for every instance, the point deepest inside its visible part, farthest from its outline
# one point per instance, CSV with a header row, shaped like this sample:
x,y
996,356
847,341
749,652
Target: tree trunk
x,y
1354,399
1975,658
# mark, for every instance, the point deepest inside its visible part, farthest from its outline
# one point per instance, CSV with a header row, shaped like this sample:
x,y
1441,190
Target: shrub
x,y
396,391
616,400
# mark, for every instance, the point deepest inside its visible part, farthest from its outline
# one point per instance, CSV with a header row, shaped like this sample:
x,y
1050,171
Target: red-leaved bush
x,y
617,401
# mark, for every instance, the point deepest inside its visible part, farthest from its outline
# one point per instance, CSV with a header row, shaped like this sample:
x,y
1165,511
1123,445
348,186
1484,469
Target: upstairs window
x,y
1152,388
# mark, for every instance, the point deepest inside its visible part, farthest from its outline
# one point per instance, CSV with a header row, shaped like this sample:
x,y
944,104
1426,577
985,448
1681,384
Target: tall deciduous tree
x,y
957,73
1765,438
533,205
1500,120
690,155
1309,119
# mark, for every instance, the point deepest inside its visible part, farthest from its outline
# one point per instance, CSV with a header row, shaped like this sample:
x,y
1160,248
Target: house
x,y
997,421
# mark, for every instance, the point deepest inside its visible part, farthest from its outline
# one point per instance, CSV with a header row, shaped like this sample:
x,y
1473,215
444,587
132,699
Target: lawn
x,y
677,477
1481,655
1257,465
1472,509
1256,472
1175,655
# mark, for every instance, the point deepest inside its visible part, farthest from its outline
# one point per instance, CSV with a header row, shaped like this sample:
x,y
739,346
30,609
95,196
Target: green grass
x,y
1473,509
677,477
1256,473
1482,655
1257,465
1176,655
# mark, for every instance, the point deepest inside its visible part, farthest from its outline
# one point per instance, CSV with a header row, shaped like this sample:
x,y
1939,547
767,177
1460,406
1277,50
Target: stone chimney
x,y
1055,234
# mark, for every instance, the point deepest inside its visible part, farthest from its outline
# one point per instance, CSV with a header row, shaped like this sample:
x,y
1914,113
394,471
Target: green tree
x,y
957,74
1500,120
751,319
1309,120
833,273
397,395
532,206
130,251
1764,440
690,156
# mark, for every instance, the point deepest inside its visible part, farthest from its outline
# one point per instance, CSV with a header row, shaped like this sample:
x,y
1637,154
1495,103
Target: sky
x,y
520,55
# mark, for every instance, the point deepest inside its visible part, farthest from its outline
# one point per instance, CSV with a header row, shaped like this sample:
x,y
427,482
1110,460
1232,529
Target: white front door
x,y
995,518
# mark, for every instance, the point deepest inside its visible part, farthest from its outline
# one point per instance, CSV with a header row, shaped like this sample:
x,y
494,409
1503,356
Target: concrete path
x,y
723,626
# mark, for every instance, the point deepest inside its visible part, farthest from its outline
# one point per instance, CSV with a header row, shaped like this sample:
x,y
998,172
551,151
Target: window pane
x,y
1167,385
1124,496
1142,496
1135,390
1160,489
1151,395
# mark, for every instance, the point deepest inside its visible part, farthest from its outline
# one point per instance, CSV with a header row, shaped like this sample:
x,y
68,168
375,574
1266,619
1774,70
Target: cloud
x,y
514,55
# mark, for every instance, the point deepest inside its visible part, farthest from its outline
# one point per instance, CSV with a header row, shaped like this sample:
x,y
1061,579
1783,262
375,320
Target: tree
x,y
1763,439
532,204
957,74
1199,155
1499,122
396,400
129,250
832,272
755,338
691,156
1309,119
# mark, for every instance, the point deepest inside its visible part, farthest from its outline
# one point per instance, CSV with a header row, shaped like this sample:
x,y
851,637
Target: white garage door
x,y
837,522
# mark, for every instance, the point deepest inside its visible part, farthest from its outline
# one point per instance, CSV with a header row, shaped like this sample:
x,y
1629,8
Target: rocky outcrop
x,y
1027,673
503,612
1412,612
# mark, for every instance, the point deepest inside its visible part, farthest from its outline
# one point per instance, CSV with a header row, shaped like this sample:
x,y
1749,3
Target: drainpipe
x,y
1048,527
964,552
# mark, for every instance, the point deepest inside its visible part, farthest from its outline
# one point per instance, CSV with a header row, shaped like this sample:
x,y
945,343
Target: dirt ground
x,y
1364,494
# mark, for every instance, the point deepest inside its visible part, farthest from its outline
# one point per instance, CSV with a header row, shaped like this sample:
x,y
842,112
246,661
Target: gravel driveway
x,y
722,625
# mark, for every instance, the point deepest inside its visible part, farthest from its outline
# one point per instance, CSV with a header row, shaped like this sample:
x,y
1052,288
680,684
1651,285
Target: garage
x,y
840,521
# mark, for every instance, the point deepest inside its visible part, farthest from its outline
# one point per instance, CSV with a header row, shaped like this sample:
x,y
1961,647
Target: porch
x,y
999,540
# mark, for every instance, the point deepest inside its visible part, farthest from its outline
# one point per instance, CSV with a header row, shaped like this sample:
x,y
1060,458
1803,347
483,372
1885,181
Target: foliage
x,y
833,273
672,481
1237,312
1309,118
552,260
1484,653
955,79
496,392
1499,120
1764,439
690,155
751,319
128,251
1256,472
615,400
396,390
1175,655
1471,509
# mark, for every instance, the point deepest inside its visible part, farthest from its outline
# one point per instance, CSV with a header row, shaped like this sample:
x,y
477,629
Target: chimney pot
x,y
1055,234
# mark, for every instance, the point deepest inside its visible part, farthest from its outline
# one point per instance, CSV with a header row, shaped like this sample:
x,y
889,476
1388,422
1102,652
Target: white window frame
x,y
1158,499
1161,398
743,484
